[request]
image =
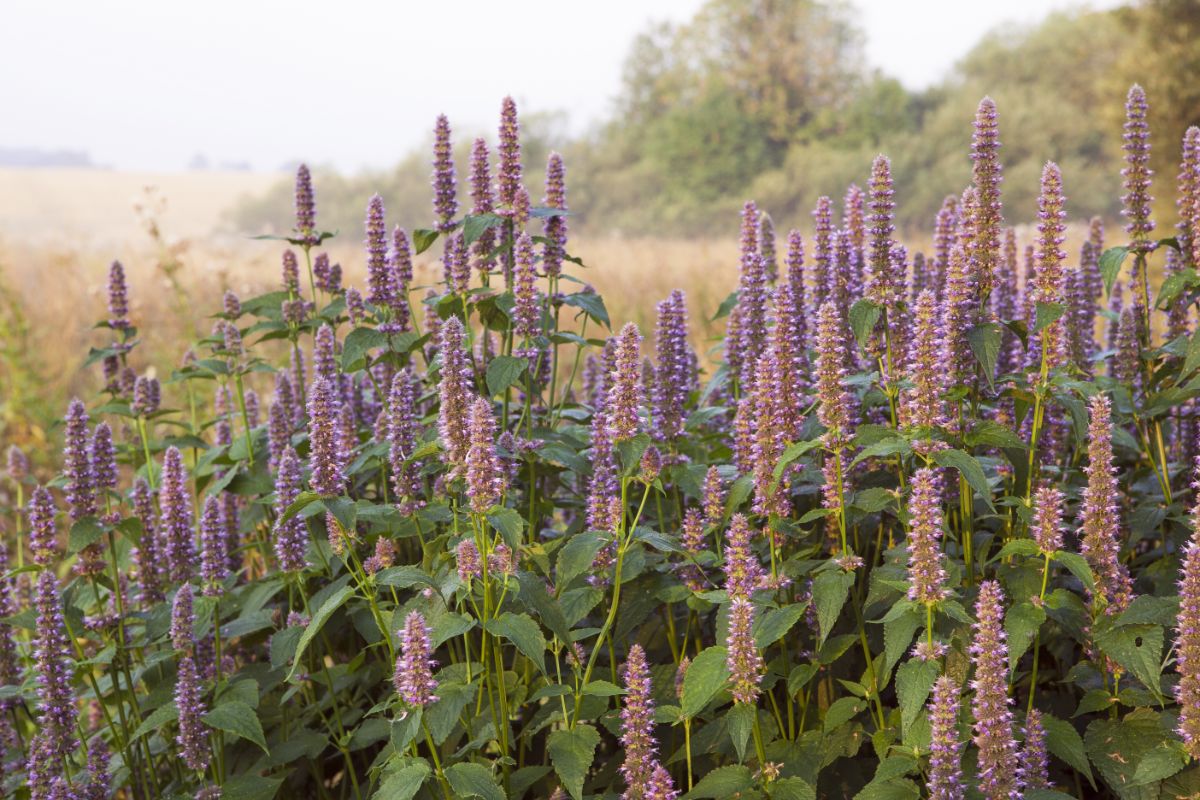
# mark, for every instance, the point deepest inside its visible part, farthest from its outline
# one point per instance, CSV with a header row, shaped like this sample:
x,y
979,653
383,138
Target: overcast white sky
x,y
355,83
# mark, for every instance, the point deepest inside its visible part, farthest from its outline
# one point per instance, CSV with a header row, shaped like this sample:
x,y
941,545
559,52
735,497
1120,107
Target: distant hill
x,y
37,157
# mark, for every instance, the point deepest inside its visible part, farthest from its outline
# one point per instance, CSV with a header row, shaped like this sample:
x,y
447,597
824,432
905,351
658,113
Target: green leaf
x,y
863,316
1192,359
572,752
86,531
1017,547
739,721
592,304
1021,624
968,467
793,452
423,239
830,590
503,372
706,676
1047,314
521,630
1110,265
1137,648
792,789
443,715
842,711
721,783
898,633
473,780
1077,565
772,626
914,681
475,226
988,433
322,615
1135,751
356,346
404,783
726,307
985,340
576,556
302,501
1065,743
237,718
509,523
876,498
168,712
250,787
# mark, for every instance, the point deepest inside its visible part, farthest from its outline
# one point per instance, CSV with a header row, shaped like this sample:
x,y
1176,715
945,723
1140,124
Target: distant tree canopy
x,y
771,100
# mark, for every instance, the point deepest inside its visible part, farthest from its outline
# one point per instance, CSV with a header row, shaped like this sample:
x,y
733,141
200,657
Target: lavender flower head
x,y
325,452
175,518
926,575
1048,518
380,280
661,786
882,289
508,169
183,620
527,311
454,392
445,192
40,511
1034,769
104,458
213,553
231,305
945,758
291,273
291,536
555,228
306,207
466,557
625,394
985,153
637,725
822,273
17,464
1101,542
834,408
485,475
193,737
354,306
77,463
990,706
1137,172
714,496
414,667
118,298
56,701
744,661
743,572
1187,635
922,405
1049,279
483,203
673,370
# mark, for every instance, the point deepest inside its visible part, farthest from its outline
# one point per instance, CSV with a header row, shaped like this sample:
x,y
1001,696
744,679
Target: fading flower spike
x,y
637,725
414,667
485,475
1048,518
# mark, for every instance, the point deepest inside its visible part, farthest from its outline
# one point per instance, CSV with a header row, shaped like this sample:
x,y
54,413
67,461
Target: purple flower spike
x,y
555,228
673,370
484,202
743,572
445,191
183,620
508,170
822,276
1137,172
214,555
175,518
17,464
118,297
926,576
1100,512
400,263
403,427
714,496
993,718
193,736
56,701
306,207
1048,518
104,458
325,452
854,219
747,330
527,311
291,273
985,153
380,280
466,556
1034,769
43,538
625,394
637,725
454,391
834,399
945,757
958,309
291,536
1049,280
922,405
77,463
660,786
945,236
485,476
1187,635
882,288
744,661
414,667
354,306
766,248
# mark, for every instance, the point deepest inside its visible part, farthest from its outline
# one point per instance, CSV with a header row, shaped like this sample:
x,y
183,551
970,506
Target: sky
x,y
356,84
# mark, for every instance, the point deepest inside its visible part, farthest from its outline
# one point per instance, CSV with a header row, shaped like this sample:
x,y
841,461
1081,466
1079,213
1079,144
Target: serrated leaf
x,y
168,712
509,523
322,615
772,626
1046,314
989,433
1077,565
443,715
985,340
793,452
739,721
503,372
898,633
237,718
473,780
863,316
1137,648
250,787
476,225
1120,748
404,783
1110,266
521,630
968,467
87,531
721,783
1065,743
356,346
576,556
423,239
590,303
830,590
1022,623
842,711
572,752
706,676
914,681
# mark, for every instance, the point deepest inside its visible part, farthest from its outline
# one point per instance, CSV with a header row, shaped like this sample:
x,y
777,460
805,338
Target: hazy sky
x,y
147,85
